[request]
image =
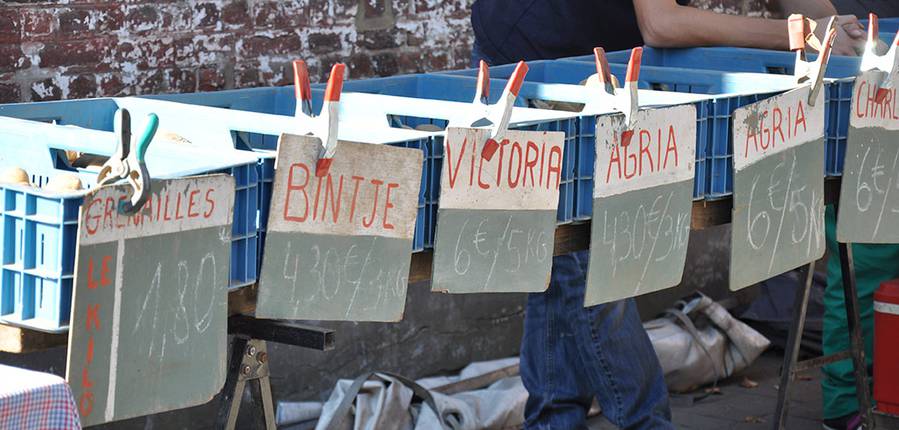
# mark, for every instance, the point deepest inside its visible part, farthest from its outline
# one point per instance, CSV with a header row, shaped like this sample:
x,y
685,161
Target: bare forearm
x,y
665,24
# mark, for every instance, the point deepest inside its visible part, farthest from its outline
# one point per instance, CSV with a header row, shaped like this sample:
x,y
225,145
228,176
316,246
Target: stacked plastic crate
x,y
39,227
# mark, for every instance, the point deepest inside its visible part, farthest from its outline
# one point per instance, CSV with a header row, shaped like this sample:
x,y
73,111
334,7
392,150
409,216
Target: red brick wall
x,y
82,48
87,48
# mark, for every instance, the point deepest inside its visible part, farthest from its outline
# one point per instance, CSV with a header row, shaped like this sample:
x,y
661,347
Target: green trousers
x,y
874,264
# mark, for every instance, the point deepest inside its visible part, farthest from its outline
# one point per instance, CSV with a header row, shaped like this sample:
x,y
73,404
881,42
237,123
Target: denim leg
x,y
570,354
558,394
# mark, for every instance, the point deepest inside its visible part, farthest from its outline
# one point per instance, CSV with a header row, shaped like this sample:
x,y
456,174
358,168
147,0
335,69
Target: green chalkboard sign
x,y
778,215
148,331
869,195
497,218
339,244
642,203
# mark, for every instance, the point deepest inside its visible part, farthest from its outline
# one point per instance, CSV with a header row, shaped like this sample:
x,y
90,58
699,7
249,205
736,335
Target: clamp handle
x,y
603,72
115,168
138,176
482,93
302,88
329,116
143,143
800,33
630,103
504,107
872,60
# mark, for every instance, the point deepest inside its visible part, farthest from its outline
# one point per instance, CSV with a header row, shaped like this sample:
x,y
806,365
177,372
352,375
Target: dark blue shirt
x,y
507,31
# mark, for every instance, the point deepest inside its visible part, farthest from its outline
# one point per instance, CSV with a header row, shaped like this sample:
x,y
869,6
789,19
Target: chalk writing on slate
x,y
148,331
869,195
497,217
642,203
339,245
778,215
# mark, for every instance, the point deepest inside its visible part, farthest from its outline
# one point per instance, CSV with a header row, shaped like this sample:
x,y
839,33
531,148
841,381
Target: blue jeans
x,y
571,354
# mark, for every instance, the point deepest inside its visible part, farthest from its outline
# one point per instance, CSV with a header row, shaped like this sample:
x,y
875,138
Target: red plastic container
x,y
886,347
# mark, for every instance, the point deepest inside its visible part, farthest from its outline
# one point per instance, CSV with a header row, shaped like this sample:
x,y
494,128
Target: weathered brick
x,y
210,79
10,25
111,85
378,39
78,52
144,17
360,66
206,14
385,64
9,92
45,90
248,77
236,12
11,58
151,83
256,46
275,15
36,23
181,81
323,43
82,86
73,21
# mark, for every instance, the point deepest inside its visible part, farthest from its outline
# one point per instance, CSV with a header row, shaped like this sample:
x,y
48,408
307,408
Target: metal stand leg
x,y
249,361
850,293
791,355
856,351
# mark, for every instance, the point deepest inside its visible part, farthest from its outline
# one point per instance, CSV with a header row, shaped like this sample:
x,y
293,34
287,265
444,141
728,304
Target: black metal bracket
x,y
249,361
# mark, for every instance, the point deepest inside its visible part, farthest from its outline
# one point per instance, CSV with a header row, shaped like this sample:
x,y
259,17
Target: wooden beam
x,y
19,340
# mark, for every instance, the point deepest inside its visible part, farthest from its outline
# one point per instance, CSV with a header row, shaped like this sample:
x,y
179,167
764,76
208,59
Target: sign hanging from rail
x,y
869,195
149,315
339,245
642,203
497,217
778,215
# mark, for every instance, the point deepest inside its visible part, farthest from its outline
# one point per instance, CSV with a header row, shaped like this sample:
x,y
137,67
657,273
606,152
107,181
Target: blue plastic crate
x,y
535,87
281,101
726,92
838,90
39,229
98,114
888,27
462,89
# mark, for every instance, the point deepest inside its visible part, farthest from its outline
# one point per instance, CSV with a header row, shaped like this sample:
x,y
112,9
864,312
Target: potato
x,y
64,182
14,175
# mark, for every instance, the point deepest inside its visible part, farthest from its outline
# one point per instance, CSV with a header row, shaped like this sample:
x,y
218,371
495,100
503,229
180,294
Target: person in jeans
x,y
571,354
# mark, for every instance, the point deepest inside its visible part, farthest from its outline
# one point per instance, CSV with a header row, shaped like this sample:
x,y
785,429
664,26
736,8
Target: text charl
x,y
644,155
774,126
874,102
517,165
98,275
160,208
330,199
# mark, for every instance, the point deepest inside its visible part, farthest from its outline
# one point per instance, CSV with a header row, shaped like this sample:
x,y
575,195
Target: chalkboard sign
x,y
642,203
148,331
778,215
339,245
869,195
497,216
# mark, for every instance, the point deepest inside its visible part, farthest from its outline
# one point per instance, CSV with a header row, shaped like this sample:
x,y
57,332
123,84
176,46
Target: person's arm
x,y
665,24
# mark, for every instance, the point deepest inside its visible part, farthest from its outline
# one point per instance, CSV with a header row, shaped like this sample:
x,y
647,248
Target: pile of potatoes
x,y
62,182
